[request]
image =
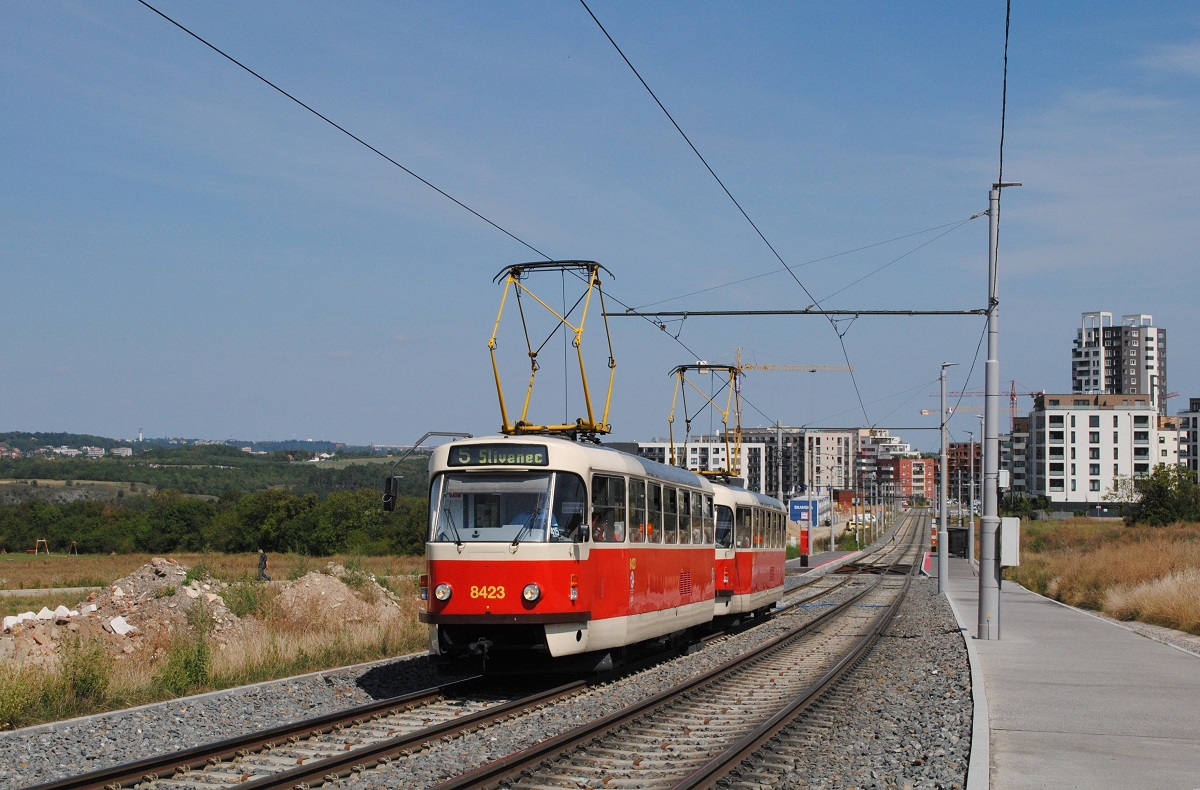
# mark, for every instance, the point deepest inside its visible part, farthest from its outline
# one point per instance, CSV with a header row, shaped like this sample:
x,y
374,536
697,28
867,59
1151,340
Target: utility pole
x,y
779,459
989,523
943,554
971,498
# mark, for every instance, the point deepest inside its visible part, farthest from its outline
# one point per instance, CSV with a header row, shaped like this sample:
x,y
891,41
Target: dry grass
x,y
276,643
1130,573
46,571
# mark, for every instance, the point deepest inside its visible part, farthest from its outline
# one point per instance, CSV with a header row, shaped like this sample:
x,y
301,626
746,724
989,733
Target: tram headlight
x,y
531,592
442,592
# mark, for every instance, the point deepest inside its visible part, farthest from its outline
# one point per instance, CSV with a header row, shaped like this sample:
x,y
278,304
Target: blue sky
x,y
186,251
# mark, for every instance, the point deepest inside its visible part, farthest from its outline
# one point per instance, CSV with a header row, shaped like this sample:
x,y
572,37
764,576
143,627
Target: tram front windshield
x,y
510,507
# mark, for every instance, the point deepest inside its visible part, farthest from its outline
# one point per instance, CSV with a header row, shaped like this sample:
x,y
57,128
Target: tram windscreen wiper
x,y
527,527
453,528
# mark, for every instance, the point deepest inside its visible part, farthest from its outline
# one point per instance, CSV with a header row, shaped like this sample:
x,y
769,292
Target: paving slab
x,y
1075,700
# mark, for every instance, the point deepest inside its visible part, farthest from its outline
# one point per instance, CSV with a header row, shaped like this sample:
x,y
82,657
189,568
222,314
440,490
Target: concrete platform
x,y
1076,701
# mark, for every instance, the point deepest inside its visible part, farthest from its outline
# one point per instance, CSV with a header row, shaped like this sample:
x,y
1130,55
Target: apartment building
x,y
1081,446
914,477
1129,358
1189,436
1014,450
708,454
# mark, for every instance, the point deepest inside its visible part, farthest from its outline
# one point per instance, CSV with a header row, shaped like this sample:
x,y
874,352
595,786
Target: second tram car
x,y
543,547
750,551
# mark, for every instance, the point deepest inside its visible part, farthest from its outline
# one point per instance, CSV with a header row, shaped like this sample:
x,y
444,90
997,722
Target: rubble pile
x,y
136,616
139,615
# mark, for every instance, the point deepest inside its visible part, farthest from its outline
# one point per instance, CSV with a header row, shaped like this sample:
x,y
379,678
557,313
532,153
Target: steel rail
x,y
728,760
197,758
514,765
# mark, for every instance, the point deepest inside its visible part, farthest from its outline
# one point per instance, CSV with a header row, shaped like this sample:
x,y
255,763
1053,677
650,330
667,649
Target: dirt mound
x,y
140,615
137,616
336,595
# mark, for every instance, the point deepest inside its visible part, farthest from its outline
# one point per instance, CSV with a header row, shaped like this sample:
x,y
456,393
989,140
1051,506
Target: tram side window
x,y
608,509
741,536
724,538
654,520
685,516
777,532
670,515
637,511
707,506
756,525
698,520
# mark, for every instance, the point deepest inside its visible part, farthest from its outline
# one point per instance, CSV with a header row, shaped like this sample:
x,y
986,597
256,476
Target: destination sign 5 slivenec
x,y
499,455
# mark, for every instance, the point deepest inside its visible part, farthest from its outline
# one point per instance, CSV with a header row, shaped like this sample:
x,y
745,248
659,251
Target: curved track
x,y
311,752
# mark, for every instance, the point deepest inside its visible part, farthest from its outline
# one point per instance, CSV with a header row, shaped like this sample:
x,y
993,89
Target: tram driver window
x,y
569,498
724,527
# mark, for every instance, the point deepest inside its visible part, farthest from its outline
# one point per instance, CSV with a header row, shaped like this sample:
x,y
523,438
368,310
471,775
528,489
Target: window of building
x,y
1093,485
1094,452
1093,469
1094,437
1094,421
1056,420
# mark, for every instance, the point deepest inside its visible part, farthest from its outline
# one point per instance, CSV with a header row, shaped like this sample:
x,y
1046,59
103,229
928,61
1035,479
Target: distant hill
x,y
28,442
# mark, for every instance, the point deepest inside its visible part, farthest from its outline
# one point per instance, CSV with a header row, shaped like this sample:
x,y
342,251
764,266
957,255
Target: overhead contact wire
x,y
725,189
345,131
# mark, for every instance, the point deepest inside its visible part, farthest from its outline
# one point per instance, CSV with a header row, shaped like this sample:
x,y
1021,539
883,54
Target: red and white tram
x,y
543,547
750,539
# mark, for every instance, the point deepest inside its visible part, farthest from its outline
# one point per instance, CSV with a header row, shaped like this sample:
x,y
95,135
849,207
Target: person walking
x,y
262,566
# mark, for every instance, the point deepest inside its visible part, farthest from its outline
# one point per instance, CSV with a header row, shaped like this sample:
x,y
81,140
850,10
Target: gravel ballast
x,y
910,725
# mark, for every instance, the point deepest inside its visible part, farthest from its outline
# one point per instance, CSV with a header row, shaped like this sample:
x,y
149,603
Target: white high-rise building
x,y
1081,447
1129,358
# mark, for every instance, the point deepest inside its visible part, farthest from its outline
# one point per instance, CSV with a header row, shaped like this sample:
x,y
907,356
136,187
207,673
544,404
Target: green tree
x,y
1165,496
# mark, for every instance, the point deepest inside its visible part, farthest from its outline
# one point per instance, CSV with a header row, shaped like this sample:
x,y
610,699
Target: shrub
x,y
247,597
85,668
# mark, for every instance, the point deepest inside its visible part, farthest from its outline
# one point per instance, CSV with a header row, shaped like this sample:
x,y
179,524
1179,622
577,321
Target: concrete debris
x,y
121,627
139,617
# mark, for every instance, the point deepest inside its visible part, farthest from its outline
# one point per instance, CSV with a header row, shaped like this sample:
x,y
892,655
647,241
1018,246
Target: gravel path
x,y
914,731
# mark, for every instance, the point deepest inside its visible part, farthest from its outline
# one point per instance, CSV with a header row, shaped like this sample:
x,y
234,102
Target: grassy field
x,y
1150,574
90,679
44,571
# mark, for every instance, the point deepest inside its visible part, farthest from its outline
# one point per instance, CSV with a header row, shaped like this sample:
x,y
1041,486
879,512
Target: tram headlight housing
x,y
442,592
531,592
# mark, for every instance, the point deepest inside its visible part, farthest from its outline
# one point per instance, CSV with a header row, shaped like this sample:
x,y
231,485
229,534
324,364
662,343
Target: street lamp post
x,y
943,552
989,529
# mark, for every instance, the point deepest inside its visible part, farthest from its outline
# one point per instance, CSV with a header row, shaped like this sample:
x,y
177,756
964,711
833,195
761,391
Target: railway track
x,y
320,750
693,734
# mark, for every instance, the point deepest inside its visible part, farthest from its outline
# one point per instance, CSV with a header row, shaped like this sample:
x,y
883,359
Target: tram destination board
x,y
499,455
